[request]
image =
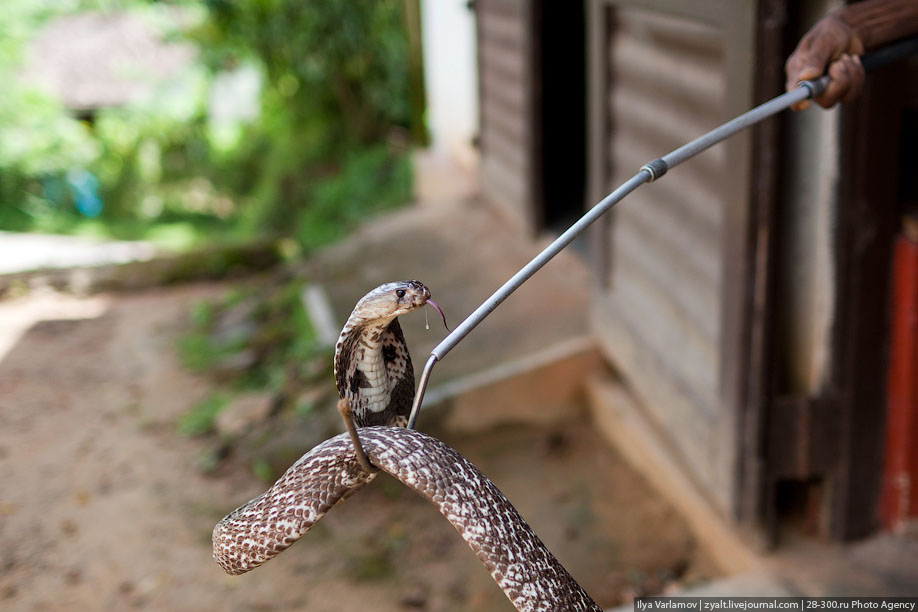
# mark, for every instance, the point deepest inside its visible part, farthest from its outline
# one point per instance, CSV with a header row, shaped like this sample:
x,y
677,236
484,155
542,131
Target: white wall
x,y
448,35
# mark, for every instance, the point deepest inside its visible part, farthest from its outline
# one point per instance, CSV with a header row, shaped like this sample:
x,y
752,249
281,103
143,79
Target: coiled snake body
x,y
529,575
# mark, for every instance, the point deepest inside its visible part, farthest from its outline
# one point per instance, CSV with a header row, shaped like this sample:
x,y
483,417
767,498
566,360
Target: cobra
x,y
373,369
519,562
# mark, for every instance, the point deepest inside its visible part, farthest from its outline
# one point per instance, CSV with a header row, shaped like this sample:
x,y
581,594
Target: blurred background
x,y
712,393
184,122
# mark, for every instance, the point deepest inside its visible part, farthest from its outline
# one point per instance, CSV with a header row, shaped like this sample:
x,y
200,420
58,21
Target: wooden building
x,y
744,298
94,60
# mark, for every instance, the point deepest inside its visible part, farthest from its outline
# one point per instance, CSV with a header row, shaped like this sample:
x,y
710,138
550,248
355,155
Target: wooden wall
x,y
508,108
671,262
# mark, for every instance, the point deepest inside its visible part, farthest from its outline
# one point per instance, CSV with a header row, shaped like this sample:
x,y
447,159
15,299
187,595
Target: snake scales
x,y
526,571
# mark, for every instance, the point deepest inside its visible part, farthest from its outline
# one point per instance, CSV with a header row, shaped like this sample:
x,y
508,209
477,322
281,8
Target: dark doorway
x,y
562,66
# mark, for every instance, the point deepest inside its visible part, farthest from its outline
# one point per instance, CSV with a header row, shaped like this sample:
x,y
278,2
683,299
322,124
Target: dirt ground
x,y
102,506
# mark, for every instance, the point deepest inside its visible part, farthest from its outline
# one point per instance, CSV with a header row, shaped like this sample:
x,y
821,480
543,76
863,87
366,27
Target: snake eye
x,y
400,293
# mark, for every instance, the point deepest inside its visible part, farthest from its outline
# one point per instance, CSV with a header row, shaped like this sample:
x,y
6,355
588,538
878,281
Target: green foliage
x,y
284,340
262,470
38,139
200,352
200,419
336,91
202,348
370,180
328,60
47,152
327,148
260,337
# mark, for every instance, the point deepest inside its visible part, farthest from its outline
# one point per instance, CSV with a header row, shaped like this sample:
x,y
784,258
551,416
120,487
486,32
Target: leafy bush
x,y
328,147
336,94
257,337
39,142
202,416
58,172
370,180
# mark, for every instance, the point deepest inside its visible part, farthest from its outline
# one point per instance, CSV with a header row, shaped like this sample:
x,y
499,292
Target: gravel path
x,y
102,507
24,252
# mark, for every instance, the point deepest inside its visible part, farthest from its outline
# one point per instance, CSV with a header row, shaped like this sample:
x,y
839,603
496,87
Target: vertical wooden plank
x,y
866,224
676,271
737,263
738,254
475,7
598,25
753,507
533,209
510,108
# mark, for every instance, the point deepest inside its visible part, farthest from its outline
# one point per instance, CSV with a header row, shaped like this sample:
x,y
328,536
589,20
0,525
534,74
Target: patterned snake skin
x,y
373,372
373,369
519,562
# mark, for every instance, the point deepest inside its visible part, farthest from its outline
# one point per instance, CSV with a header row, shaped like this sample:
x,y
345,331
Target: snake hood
x,y
373,369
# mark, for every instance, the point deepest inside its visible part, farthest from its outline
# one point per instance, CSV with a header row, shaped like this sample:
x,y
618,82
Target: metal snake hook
x,y
648,173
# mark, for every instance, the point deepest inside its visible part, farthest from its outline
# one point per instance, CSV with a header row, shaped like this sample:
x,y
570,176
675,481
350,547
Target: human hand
x,y
830,42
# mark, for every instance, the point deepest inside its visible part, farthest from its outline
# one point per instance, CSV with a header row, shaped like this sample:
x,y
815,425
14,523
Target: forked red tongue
x,y
442,316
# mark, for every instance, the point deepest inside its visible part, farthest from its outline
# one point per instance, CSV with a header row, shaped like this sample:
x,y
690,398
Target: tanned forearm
x,y
878,22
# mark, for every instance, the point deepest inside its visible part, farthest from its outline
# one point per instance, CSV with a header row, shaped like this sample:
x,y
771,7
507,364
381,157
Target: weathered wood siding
x,y
670,280
507,107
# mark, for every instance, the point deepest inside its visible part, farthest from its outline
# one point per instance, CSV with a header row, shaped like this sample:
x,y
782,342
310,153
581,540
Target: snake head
x,y
391,300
